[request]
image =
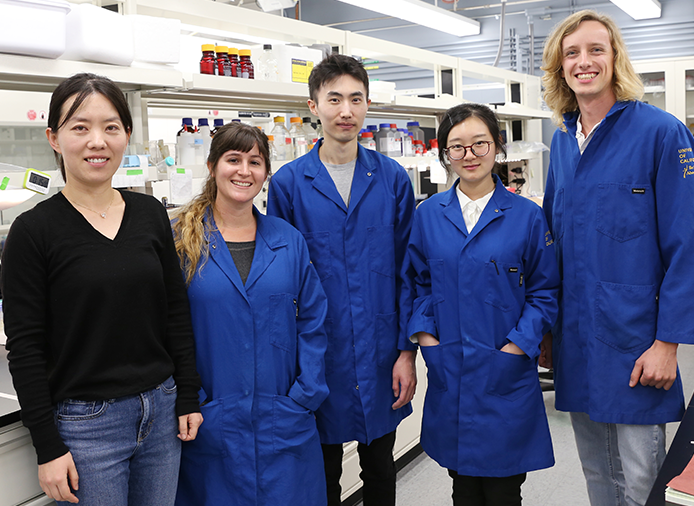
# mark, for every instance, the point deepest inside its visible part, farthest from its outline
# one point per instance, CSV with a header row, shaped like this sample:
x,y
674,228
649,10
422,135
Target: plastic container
x,y
206,136
99,35
234,59
407,147
282,140
319,129
433,148
397,139
223,65
267,65
311,134
33,27
385,140
299,139
271,146
185,143
367,140
245,64
207,62
419,148
218,123
417,133
164,165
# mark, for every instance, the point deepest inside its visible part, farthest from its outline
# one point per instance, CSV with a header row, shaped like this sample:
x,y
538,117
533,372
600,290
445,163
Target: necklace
x,y
102,214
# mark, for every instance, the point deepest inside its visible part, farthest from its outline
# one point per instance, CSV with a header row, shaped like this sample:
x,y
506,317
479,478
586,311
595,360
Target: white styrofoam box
x,y
33,27
294,63
156,40
99,35
382,91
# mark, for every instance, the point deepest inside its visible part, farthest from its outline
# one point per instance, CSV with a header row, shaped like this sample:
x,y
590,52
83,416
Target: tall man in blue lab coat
x,y
619,205
354,207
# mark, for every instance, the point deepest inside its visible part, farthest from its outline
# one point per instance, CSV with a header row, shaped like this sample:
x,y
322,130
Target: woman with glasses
x,y
484,289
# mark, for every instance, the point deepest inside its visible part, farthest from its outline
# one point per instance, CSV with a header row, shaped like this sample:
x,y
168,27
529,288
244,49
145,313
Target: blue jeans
x,y
620,461
125,450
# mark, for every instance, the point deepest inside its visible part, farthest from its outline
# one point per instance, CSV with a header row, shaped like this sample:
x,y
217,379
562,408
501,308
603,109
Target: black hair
x,y
333,67
239,137
460,113
82,86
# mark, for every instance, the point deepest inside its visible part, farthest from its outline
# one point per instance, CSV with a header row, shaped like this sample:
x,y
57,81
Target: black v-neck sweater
x,y
91,318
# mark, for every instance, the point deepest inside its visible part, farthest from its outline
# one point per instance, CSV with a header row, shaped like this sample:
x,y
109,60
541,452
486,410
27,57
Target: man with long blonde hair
x,y
620,209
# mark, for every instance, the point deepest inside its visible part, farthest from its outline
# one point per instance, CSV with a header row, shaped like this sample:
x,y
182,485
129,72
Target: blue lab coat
x,y
483,413
358,253
622,216
260,353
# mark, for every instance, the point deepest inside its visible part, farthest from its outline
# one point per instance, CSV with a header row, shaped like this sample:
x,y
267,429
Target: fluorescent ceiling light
x,y
639,9
421,13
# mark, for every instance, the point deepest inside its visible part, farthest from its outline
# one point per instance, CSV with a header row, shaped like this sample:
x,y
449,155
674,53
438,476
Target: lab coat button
x,y
214,246
496,210
368,174
357,387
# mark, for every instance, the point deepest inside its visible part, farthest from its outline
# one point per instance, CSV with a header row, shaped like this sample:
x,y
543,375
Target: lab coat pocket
x,y
436,376
510,376
626,315
293,426
283,314
382,250
505,285
210,439
387,339
624,210
319,249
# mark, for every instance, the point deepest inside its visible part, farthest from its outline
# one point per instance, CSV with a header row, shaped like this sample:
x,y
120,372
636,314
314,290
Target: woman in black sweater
x,y
97,318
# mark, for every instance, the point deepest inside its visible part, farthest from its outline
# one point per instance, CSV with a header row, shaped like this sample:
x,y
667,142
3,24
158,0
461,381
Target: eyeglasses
x,y
458,152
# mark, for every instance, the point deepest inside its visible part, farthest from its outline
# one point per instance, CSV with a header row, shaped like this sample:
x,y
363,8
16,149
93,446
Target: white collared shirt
x,y
582,139
472,209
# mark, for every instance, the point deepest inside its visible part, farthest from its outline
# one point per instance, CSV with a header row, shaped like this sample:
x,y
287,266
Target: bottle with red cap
x,y
207,63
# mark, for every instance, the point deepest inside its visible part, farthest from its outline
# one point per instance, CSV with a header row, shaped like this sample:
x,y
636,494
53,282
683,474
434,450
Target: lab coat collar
x,y
267,240
571,118
364,171
500,201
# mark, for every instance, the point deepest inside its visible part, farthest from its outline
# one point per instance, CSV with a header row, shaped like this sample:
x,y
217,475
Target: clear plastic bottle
x,y
311,134
385,140
185,143
267,64
407,149
273,149
223,63
207,62
299,140
417,133
282,140
245,64
163,166
319,129
234,60
397,140
206,135
218,123
367,140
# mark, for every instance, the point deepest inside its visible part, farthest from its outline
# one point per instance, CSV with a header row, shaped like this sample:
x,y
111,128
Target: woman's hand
x,y
512,349
58,476
188,426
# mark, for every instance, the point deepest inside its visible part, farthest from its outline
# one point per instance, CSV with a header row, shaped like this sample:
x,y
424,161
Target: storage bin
x,y
294,63
33,27
98,35
156,40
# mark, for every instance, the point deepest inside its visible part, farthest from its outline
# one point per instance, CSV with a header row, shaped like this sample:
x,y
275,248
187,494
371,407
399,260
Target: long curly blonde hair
x,y
189,228
626,83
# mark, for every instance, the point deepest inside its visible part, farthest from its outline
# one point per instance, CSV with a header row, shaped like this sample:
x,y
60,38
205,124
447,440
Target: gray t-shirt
x,y
242,255
342,177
